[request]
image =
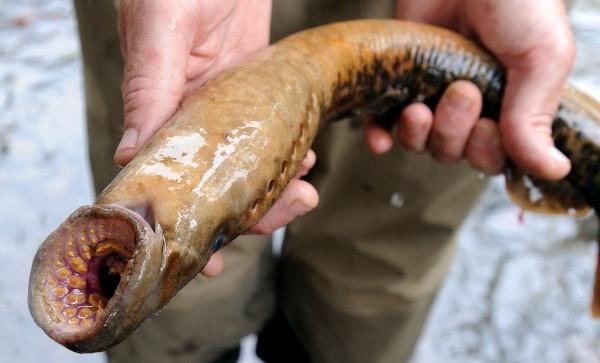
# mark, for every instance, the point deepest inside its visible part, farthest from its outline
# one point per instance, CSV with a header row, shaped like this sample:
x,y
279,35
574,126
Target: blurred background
x,y
517,292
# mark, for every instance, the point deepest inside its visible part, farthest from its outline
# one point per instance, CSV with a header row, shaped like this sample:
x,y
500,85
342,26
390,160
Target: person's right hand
x,y
171,48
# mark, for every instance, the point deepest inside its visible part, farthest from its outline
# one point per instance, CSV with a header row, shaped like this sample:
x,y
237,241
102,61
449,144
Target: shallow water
x,y
516,293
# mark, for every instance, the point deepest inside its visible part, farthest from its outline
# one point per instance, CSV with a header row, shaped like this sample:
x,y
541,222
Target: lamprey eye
x,y
218,241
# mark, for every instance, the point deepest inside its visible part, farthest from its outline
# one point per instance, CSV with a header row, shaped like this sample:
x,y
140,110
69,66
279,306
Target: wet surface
x,y
518,292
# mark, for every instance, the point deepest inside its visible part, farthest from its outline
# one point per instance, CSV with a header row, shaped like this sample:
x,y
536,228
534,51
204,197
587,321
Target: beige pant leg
x,y
360,273
209,315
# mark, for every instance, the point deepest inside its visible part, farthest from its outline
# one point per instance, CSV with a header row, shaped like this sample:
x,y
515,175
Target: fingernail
x,y
382,145
298,208
459,101
557,155
128,140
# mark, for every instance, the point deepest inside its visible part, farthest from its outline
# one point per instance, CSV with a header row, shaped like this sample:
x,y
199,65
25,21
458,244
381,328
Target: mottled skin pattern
x,y
225,157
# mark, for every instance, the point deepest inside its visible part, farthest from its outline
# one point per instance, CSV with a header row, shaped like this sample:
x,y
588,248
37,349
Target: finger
x,y
484,148
307,163
530,103
454,118
378,139
154,72
536,47
414,126
298,198
214,266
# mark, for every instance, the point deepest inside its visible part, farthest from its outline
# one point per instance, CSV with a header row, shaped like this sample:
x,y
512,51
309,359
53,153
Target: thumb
x,y
533,89
154,75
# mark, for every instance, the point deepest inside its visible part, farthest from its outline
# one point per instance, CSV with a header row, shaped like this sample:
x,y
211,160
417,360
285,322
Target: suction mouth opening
x,y
82,268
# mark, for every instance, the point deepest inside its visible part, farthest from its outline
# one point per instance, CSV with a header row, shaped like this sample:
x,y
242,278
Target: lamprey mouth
x,y
84,267
80,269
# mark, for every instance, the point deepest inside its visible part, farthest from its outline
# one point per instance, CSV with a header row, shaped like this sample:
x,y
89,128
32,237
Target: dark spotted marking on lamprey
x,y
270,186
228,153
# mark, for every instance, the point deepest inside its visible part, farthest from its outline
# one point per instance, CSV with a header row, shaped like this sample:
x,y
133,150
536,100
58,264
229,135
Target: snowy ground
x,y
516,293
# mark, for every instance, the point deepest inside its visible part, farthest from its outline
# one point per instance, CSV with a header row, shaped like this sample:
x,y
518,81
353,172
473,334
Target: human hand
x,y
533,40
171,50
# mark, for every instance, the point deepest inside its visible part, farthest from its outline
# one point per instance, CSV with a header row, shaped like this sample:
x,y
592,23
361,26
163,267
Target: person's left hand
x,y
533,40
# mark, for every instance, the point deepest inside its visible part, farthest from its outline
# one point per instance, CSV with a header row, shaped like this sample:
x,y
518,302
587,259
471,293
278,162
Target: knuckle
x,y
410,144
445,158
445,153
416,127
451,121
558,46
409,141
141,93
485,160
448,136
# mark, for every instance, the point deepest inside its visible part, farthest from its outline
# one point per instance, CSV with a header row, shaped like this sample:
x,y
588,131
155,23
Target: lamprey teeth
x,y
75,299
62,273
76,282
112,246
70,312
85,313
78,264
86,251
85,271
97,301
60,291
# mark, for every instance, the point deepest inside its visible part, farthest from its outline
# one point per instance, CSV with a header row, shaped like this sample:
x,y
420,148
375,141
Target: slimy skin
x,y
215,169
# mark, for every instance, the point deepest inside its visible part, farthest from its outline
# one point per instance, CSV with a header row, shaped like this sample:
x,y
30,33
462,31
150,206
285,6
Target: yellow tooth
x,y
111,245
71,253
86,251
70,312
75,299
76,281
62,273
92,231
71,244
78,264
97,301
57,306
59,263
50,281
82,238
60,291
87,322
85,313
74,321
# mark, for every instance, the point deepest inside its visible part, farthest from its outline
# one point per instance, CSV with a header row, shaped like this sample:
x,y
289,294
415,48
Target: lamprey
x,y
225,157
